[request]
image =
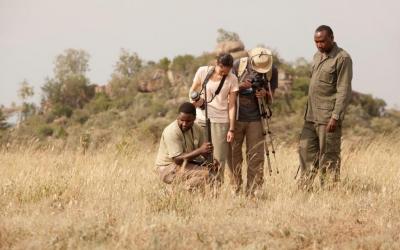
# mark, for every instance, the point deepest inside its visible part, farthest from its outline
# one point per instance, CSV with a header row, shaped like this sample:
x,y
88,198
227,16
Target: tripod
x,y
266,114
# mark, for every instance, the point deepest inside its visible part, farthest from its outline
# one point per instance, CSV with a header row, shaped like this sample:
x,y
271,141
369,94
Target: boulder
x,y
152,82
239,54
229,47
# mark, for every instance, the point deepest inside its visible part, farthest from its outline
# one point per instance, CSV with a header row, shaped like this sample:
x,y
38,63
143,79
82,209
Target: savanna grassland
x,y
113,199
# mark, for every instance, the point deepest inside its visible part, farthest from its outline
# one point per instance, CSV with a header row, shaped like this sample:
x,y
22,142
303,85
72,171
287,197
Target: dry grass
x,y
113,199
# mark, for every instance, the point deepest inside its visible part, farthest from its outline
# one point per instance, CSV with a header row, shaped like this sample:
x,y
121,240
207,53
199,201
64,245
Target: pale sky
x,y
34,32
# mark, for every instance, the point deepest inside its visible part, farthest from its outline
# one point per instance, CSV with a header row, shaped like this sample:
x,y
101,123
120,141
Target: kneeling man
x,y
182,150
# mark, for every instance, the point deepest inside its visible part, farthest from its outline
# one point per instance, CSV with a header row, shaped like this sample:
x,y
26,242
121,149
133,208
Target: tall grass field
x,y
113,199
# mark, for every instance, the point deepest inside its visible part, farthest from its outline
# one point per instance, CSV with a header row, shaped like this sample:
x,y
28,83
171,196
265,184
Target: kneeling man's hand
x,y
206,148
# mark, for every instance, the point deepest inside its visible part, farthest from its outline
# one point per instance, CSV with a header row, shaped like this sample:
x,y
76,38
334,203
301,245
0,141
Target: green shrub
x,y
62,110
164,63
100,103
61,133
153,128
45,131
80,116
3,121
183,64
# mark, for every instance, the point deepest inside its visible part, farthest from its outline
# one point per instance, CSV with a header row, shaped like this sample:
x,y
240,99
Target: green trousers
x,y
319,151
222,148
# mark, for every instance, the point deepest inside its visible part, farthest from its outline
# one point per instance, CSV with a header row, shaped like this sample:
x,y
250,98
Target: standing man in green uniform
x,y
328,97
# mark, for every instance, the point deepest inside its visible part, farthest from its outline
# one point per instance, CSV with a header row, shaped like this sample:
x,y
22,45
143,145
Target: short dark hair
x,y
187,108
225,59
325,28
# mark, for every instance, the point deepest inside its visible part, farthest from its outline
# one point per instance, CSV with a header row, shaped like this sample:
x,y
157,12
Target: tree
x,y
164,63
224,35
70,86
25,92
183,64
73,62
128,64
123,79
302,67
3,122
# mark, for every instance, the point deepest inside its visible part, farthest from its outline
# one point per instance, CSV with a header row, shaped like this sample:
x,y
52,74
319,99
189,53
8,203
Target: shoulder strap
x,y
242,66
269,75
208,76
220,85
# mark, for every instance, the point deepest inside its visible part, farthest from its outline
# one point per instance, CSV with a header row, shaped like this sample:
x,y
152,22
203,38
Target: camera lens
x,y
194,96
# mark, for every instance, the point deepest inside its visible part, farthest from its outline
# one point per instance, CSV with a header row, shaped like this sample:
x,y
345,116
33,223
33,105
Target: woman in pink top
x,y
221,107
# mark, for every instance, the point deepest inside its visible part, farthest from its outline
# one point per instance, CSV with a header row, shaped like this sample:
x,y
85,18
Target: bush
x,y
300,87
183,64
61,133
3,122
164,63
62,110
45,131
153,128
81,116
100,103
373,106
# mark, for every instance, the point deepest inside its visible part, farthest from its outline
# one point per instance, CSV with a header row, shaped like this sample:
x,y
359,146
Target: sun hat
x,y
261,59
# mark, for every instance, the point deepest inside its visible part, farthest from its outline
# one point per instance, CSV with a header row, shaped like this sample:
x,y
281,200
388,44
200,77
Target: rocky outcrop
x,y
229,47
154,83
105,89
239,54
235,48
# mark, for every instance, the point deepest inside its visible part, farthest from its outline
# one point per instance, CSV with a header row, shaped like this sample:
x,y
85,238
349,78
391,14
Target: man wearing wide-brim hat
x,y
248,124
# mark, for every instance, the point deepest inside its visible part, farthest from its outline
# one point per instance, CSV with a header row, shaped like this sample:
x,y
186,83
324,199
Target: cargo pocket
x,y
325,105
333,141
327,75
324,109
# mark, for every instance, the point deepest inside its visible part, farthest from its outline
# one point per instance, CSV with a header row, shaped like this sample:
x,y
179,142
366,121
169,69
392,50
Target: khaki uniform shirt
x,y
330,86
174,142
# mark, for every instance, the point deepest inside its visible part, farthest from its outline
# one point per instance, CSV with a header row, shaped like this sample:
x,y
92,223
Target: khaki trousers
x,y
253,133
319,151
222,149
192,176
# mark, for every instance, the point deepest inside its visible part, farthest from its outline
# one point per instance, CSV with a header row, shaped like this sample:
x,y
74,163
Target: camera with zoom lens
x,y
257,82
195,96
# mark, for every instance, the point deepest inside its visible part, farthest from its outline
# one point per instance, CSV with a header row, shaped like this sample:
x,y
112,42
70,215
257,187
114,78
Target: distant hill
x,y
142,97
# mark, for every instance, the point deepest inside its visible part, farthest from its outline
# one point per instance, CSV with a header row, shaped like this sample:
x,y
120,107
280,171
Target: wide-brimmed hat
x,y
261,59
